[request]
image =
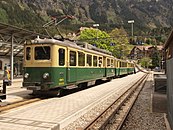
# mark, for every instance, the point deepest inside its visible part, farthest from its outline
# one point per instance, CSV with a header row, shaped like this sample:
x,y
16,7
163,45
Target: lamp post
x,y
96,26
131,22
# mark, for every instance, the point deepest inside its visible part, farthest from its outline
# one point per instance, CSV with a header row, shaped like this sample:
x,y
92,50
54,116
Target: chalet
x,y
138,52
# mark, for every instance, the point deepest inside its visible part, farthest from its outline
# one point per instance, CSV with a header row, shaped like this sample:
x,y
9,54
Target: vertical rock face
x,y
149,13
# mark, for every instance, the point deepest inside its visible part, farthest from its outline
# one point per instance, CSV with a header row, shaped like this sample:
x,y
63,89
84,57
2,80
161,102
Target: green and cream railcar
x,y
121,67
131,68
50,64
117,67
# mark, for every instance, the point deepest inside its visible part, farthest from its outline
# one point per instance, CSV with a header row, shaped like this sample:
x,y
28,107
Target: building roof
x,y
170,38
142,48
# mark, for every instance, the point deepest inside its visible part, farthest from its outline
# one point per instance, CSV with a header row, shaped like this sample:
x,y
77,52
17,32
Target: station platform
x,y
16,79
14,92
56,113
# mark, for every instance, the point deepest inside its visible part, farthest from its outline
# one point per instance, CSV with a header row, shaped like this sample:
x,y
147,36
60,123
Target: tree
x,y
95,37
116,41
148,41
156,59
145,62
3,16
120,39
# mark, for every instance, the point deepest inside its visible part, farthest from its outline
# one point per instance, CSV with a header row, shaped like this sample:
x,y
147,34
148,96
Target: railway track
x,y
114,116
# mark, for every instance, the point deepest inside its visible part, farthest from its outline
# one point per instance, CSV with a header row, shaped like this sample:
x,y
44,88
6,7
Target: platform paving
x,y
159,102
56,113
159,94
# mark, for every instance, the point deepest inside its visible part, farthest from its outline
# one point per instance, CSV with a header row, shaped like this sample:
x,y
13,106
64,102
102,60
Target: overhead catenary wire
x,y
120,36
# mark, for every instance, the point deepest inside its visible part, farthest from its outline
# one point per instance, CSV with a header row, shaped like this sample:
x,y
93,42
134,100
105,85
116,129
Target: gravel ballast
x,y
141,116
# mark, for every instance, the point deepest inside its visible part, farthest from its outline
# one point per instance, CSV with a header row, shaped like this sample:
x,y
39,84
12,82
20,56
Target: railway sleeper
x,y
120,108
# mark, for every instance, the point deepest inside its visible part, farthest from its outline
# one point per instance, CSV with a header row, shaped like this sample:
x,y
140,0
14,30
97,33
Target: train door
x,y
71,68
62,57
104,65
118,68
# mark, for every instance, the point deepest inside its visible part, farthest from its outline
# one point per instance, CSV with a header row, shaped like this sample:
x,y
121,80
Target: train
x,y
51,65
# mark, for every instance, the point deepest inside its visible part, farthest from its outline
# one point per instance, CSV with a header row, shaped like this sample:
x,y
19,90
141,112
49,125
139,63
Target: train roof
x,y
77,45
127,61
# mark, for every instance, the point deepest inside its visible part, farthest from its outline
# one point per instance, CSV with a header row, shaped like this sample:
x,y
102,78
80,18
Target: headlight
x,y
45,75
26,75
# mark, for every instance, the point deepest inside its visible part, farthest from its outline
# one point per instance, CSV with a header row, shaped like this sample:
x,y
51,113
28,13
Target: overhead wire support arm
x,y
55,23
49,24
65,17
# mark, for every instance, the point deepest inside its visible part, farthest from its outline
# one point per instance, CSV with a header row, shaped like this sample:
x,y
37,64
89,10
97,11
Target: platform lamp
x,y
131,22
96,26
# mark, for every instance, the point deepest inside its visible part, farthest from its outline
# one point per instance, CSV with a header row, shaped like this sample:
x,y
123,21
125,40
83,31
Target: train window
x,y
89,60
81,59
28,53
100,61
95,61
61,57
112,62
42,53
121,64
108,62
72,58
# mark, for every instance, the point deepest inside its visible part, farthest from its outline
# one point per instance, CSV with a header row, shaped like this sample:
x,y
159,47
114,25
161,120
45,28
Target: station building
x,y
17,66
169,73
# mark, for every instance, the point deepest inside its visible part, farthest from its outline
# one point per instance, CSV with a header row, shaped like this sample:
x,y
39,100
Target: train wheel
x,y
109,78
99,81
82,85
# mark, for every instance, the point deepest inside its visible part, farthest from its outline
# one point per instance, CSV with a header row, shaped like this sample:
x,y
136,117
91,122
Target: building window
x,y
72,58
81,59
61,57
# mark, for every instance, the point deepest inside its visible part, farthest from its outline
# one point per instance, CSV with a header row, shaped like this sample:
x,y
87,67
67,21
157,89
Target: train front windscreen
x,y
42,53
